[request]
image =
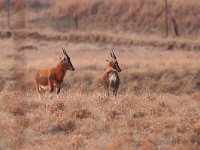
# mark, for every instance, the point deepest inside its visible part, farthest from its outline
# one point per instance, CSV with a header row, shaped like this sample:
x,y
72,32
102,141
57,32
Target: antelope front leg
x,y
50,88
115,92
58,91
106,87
51,93
107,92
38,90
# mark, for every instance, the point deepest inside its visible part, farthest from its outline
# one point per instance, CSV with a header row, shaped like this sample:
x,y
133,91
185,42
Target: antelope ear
x,y
107,60
59,57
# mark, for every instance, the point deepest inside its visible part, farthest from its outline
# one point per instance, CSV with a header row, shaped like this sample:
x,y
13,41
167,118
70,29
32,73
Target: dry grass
x,y
144,17
130,15
157,106
104,37
103,21
158,101
93,121
143,68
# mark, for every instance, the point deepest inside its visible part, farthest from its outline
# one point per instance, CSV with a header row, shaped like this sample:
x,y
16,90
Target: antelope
x,y
110,79
53,77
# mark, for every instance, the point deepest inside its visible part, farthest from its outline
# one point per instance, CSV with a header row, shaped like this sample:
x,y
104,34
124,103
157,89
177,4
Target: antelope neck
x,y
61,70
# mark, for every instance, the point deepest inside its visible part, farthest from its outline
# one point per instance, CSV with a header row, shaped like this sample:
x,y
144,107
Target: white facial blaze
x,y
66,60
114,61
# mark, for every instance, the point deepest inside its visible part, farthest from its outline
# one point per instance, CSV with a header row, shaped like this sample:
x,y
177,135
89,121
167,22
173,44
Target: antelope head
x,y
113,62
66,61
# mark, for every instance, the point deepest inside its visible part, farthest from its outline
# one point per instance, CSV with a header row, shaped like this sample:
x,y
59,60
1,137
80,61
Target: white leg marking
x,y
44,87
50,96
39,96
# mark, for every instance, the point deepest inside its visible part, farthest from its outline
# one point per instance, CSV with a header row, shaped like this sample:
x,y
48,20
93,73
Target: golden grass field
x,y
157,106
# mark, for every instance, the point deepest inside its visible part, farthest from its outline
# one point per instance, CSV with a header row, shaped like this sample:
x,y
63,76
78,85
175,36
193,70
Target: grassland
x,y
157,106
141,17
92,121
158,101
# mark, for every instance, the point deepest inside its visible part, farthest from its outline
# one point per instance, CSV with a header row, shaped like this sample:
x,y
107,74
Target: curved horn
x,y
59,57
65,53
111,55
114,55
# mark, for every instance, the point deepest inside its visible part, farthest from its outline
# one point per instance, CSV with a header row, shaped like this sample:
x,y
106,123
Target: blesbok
x,y
111,80
53,77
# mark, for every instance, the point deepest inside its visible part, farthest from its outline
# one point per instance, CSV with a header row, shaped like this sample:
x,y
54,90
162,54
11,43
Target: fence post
x,y
76,21
166,18
8,13
175,25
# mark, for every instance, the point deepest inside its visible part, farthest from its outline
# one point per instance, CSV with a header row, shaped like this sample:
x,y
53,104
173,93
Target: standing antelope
x,y
53,77
110,78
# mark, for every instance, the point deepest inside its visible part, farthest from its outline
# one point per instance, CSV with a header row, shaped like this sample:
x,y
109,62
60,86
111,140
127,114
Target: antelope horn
x,y
111,55
65,52
59,57
114,55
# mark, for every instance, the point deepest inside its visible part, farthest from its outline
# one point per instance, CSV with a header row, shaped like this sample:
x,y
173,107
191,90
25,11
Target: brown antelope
x,y
110,78
53,77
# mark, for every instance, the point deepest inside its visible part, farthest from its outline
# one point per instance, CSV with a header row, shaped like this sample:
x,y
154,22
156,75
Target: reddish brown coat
x,y
110,79
53,77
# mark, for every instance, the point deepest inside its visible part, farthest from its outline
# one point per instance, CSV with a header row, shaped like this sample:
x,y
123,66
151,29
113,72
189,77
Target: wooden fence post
x,y
166,18
76,21
8,13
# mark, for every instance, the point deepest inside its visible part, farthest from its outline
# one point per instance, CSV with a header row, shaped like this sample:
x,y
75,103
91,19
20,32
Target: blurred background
x,y
145,32
131,16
